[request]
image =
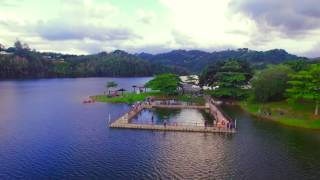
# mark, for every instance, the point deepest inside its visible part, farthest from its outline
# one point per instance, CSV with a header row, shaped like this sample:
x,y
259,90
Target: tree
x,y
271,84
207,76
18,45
297,65
306,85
26,46
166,83
111,84
229,76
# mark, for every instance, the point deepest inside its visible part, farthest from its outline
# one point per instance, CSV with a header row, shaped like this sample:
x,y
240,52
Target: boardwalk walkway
x,y
124,121
172,128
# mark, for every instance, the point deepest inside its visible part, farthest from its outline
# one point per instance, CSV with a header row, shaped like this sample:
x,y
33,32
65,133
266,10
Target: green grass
x,y
126,98
295,114
133,97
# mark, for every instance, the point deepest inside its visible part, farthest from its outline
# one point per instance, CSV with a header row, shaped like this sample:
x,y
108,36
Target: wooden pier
x,y
124,121
179,106
172,128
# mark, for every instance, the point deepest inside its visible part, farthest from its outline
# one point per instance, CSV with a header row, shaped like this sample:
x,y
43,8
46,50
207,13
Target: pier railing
x,y
224,113
218,112
124,121
177,124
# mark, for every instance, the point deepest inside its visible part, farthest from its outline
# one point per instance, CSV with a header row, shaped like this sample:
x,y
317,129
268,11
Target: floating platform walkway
x,y
124,121
172,128
178,106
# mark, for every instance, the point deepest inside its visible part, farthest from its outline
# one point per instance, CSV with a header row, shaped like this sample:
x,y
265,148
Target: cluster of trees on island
x,y
237,80
294,81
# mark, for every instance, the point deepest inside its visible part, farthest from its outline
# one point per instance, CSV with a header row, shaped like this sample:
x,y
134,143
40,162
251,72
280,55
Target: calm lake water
x,y
46,132
186,117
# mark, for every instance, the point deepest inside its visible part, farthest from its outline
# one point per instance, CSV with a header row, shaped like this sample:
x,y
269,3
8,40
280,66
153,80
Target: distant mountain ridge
x,y
24,63
21,62
196,60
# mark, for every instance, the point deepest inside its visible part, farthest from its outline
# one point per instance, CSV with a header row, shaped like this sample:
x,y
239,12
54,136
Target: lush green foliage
x,y
24,63
271,83
298,114
166,83
230,77
297,65
213,73
306,85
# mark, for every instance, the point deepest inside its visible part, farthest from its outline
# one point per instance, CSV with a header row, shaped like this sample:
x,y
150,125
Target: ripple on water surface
x,y
46,132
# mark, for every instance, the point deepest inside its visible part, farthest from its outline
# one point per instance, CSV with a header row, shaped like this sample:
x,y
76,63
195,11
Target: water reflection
x,y
276,149
46,132
189,117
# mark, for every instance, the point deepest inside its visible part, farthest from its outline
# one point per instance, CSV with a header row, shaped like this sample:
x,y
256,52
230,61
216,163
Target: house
x,y
191,79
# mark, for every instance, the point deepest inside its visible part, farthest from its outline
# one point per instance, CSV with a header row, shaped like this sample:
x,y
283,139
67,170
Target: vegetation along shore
x,y
273,84
288,93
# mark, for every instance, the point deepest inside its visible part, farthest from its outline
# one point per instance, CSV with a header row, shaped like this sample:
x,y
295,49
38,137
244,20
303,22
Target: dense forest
x,y
20,61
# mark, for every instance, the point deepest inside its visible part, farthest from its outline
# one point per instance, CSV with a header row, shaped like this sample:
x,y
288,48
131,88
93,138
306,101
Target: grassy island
x,y
293,114
134,97
126,97
164,86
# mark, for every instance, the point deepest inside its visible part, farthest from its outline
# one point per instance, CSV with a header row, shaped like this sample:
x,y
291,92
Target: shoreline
x,y
303,124
130,98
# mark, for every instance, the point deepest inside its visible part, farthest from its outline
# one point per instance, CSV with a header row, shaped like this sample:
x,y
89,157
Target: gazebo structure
x,y
140,88
121,90
115,92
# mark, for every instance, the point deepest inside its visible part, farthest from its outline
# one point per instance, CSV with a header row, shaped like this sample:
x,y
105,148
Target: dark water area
x,y
179,117
46,132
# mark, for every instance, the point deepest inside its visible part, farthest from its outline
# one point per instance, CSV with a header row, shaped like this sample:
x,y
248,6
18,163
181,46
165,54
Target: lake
x,y
46,131
175,117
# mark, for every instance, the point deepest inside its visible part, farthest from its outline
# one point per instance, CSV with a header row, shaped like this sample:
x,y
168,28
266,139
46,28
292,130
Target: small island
x,y
287,93
168,93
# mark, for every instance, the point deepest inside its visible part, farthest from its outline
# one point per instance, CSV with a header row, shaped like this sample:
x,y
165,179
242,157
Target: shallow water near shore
x,y
46,131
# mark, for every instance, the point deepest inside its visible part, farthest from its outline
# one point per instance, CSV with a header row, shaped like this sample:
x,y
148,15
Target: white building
x,y
191,79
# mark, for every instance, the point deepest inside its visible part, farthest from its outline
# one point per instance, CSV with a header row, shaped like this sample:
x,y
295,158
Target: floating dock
x,y
124,121
172,128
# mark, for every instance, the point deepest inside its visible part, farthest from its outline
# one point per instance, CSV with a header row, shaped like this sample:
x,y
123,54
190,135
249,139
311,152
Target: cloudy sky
x,y
153,26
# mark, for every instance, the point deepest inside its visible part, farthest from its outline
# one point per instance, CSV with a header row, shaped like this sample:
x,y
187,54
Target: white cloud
x,y
207,22
161,25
